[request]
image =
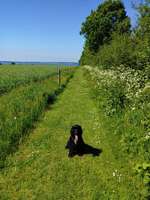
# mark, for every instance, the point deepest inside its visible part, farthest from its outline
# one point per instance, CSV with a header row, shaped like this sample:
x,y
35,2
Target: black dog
x,y
76,144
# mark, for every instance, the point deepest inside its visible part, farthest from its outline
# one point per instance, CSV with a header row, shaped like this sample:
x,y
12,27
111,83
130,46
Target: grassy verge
x,y
22,107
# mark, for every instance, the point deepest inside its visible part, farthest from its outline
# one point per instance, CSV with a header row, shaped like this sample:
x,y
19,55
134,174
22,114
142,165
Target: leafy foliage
x,y
118,52
124,95
98,27
132,49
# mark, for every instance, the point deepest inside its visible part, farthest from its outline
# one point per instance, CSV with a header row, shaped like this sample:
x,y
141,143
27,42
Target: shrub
x,y
124,95
125,92
118,52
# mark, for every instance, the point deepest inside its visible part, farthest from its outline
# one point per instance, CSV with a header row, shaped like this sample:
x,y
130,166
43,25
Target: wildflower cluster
x,y
117,175
132,83
108,86
124,94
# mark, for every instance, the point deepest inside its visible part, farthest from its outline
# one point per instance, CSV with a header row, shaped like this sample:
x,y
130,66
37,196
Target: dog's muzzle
x,y
76,139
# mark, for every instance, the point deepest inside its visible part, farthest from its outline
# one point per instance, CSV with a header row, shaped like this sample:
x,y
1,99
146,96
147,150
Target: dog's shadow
x,y
88,149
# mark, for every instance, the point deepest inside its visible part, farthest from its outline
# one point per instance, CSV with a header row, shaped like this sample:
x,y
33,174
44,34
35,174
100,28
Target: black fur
x,y
79,148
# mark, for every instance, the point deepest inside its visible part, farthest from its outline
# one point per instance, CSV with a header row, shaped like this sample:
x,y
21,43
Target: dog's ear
x,y
80,130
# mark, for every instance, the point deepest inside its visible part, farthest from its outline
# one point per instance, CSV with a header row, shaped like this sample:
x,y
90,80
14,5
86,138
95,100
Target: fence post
x,y
59,77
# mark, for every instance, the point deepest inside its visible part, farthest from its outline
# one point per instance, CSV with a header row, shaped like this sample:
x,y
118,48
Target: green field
x,y
40,169
15,75
32,89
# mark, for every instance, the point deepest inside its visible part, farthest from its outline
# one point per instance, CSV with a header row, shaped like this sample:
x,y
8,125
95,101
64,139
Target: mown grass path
x,y
41,170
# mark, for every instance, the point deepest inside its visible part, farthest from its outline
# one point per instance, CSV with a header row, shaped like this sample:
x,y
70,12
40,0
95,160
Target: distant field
x,y
12,76
25,91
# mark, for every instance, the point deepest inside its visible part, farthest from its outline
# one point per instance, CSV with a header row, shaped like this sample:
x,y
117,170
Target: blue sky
x,y
45,30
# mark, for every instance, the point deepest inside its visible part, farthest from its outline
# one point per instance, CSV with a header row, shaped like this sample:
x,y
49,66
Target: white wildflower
x,y
114,174
147,137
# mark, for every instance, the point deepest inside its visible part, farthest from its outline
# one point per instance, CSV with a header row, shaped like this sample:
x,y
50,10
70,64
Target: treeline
x,y
110,41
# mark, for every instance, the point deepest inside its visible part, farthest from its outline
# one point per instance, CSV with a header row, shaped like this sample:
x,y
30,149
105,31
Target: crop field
x,y
26,93
13,76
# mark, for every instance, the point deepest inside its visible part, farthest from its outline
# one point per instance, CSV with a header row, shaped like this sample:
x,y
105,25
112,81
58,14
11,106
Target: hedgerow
x,y
124,96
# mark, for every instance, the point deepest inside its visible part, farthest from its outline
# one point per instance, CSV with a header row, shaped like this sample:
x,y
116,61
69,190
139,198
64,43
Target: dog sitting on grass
x,y
76,144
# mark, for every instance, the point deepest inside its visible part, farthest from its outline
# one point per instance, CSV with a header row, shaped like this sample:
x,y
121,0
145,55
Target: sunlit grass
x,y
21,107
42,170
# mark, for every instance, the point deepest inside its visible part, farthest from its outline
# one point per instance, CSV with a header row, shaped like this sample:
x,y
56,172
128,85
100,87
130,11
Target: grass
x,y
42,170
21,107
16,75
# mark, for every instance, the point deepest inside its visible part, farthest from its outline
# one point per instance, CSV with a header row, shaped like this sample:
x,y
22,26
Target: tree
x,y
144,18
142,34
100,24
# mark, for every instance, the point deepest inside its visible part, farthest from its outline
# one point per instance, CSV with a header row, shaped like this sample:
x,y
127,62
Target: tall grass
x,y
20,108
14,76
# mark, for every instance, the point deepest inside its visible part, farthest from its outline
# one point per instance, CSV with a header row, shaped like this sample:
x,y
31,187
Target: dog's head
x,y
76,132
